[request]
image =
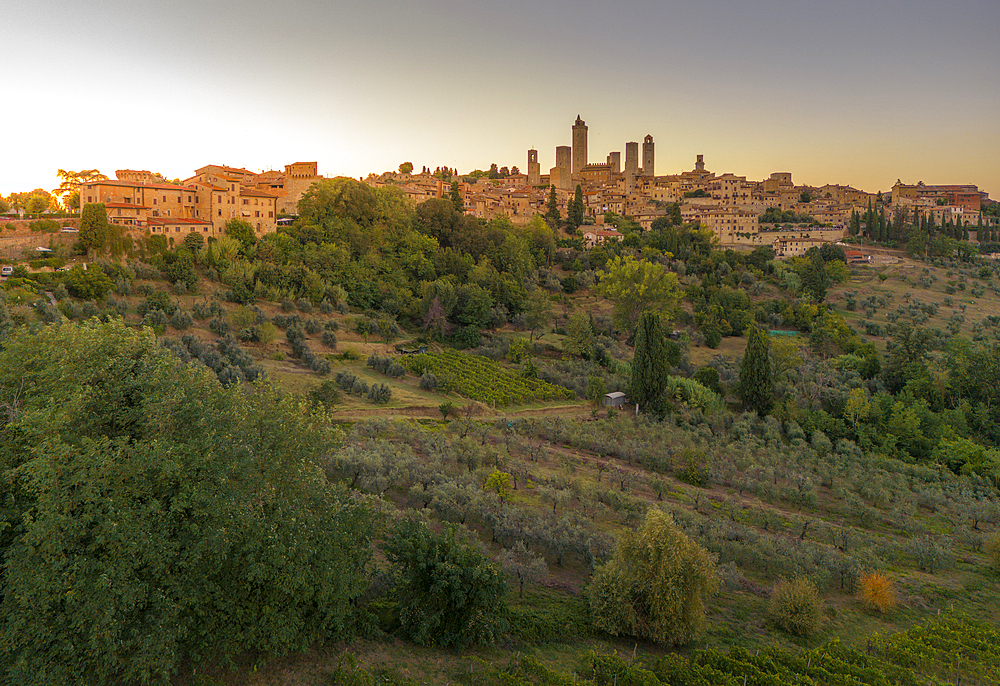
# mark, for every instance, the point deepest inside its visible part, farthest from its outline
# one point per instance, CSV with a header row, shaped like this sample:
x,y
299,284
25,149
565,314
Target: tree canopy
x,y
636,286
152,515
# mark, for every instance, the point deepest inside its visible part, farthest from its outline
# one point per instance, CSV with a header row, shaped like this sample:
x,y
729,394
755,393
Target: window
x,y
154,201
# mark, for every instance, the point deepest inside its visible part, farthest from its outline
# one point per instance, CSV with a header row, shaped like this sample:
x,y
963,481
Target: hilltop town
x,y
743,214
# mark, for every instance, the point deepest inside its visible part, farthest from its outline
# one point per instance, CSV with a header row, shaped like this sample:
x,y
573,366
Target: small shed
x,y
614,399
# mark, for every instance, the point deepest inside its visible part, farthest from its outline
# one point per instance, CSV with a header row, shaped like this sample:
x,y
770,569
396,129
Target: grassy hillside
x,y
769,499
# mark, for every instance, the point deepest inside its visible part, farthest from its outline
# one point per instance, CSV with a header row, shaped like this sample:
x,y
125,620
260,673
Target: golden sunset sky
x,y
844,91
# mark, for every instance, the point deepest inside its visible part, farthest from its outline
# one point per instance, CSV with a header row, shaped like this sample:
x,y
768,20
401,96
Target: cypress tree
x,y
814,277
756,382
94,226
456,197
649,365
576,208
552,215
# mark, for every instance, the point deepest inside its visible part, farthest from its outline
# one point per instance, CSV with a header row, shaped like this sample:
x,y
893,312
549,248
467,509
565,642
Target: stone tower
x,y
579,146
699,164
561,174
648,164
631,162
534,170
615,160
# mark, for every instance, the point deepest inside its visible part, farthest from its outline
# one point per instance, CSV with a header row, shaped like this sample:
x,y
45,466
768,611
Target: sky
x,y
858,92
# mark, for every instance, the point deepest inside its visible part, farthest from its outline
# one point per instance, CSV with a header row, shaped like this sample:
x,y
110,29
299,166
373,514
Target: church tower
x,y
579,146
648,165
534,170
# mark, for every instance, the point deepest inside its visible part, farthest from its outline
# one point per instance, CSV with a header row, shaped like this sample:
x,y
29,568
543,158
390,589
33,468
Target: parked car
x,y
6,270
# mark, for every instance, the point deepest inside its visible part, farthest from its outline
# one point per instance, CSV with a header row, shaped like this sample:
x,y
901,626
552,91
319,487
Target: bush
x,y
157,319
181,320
329,339
655,586
313,326
219,326
449,594
428,382
876,592
796,607
326,393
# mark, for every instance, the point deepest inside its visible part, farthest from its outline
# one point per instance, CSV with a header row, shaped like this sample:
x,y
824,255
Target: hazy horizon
x,y
855,93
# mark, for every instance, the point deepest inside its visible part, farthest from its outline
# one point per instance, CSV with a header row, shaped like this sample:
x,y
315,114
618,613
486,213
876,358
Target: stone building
x,y
579,146
648,162
534,170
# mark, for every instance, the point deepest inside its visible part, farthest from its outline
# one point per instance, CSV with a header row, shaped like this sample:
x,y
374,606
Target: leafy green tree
x,y
406,168
637,286
655,586
596,390
70,182
523,565
88,284
94,226
756,380
241,230
449,594
579,335
38,201
538,312
153,515
814,277
500,483
649,365
194,242
331,201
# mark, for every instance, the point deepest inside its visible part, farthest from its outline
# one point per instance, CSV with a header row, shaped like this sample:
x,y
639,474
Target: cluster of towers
x,y
572,162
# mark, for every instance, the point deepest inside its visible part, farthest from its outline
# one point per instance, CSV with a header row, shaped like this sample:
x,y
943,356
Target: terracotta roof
x,y
256,194
160,221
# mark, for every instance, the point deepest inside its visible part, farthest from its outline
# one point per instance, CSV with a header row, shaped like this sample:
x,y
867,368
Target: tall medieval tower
x,y
579,146
534,170
648,164
631,162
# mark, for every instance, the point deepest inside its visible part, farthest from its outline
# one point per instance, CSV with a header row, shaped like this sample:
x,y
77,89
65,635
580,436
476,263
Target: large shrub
x,y
796,607
449,594
655,586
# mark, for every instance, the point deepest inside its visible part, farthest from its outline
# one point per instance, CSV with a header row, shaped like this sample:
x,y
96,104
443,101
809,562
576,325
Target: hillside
x,y
817,489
